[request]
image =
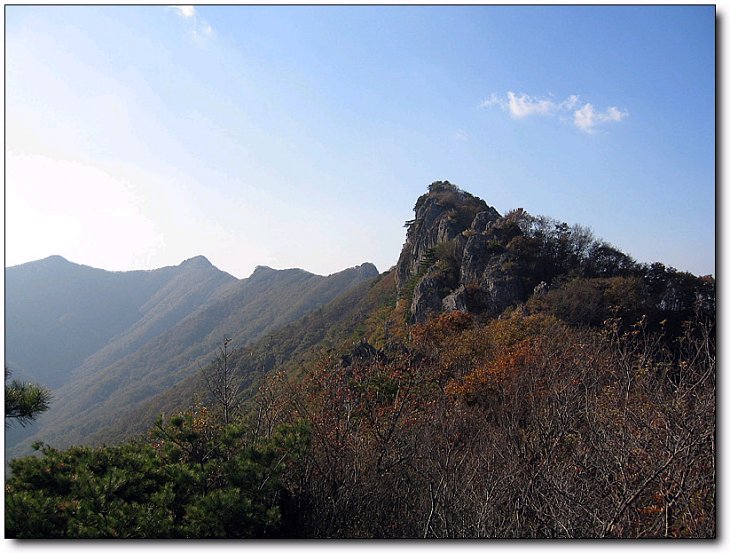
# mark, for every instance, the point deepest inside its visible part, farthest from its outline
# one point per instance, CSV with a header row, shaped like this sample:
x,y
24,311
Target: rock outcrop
x,y
428,295
454,257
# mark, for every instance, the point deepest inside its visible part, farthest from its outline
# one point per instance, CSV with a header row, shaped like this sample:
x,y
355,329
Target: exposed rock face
x,y
454,257
500,283
456,300
541,289
434,224
477,253
367,270
483,219
427,296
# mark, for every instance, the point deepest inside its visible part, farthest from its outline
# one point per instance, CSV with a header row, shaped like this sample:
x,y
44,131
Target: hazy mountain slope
x,y
339,324
96,397
195,284
58,313
63,318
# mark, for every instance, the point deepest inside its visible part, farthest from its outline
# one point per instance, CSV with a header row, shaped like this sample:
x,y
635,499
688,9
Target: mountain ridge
x,y
56,302
175,329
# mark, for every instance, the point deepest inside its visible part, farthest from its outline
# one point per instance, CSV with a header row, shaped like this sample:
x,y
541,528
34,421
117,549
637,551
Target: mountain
x,y
460,254
59,313
159,334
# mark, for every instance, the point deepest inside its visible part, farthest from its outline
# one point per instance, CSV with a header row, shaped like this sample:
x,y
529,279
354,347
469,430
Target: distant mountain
x,y
130,344
359,314
59,313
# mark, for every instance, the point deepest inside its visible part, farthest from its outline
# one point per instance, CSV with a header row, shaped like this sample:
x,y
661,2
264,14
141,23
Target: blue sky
x,y
137,137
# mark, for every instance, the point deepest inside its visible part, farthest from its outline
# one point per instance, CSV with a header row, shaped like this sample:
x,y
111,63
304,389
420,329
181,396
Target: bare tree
x,y
222,382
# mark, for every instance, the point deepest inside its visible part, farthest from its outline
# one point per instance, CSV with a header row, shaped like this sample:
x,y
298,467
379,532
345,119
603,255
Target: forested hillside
x,y
511,376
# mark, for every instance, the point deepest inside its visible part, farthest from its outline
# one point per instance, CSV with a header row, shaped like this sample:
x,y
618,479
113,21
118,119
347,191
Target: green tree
x,y
24,400
191,478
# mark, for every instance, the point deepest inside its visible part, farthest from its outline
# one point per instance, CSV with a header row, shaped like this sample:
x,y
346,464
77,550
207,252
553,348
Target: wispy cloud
x,y
570,102
493,100
523,105
200,29
585,117
185,11
461,135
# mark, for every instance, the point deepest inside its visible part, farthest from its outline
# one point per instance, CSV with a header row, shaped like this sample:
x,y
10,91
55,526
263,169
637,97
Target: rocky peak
x,y
454,256
199,261
367,270
484,220
262,271
442,214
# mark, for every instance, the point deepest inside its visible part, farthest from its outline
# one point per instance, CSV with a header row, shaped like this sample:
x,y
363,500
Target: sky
x,y
301,136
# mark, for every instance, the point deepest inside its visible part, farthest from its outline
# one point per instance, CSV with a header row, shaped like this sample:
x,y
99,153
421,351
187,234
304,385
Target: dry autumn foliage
x,y
517,427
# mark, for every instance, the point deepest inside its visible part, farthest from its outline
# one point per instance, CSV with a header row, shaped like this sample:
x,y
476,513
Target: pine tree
x,y
24,400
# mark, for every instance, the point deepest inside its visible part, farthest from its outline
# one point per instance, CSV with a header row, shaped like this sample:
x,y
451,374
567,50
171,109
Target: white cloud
x,y
185,11
615,114
586,118
522,105
570,102
461,135
584,115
